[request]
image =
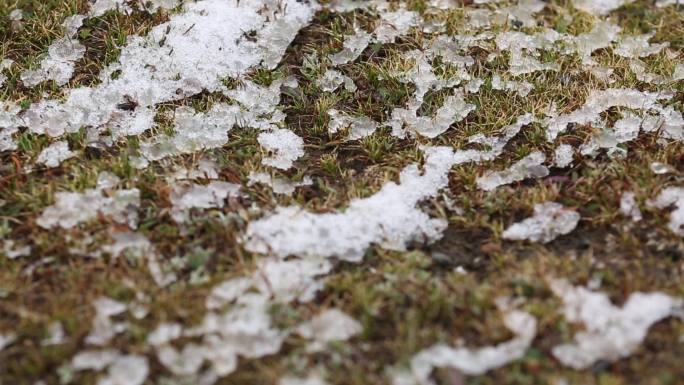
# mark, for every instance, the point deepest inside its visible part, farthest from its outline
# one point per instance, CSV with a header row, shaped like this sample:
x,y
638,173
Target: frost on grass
x,y
284,147
55,154
671,196
471,361
550,220
72,208
610,332
528,167
329,326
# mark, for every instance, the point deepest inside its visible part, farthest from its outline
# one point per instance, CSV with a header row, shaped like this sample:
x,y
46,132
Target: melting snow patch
x,y
6,339
130,369
358,127
550,220
193,132
528,167
563,156
332,79
638,46
55,154
186,197
72,208
629,206
104,329
453,110
599,37
192,52
672,196
58,65
522,88
313,379
471,361
678,73
389,218
395,24
353,47
600,101
610,332
284,146
56,334
329,326
600,7
278,185
660,168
